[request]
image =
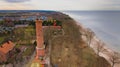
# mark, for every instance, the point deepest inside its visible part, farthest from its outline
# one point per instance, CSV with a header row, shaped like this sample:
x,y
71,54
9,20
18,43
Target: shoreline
x,y
105,54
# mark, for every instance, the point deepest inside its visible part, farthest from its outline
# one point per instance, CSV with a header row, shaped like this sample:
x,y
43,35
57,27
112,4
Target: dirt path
x,y
30,61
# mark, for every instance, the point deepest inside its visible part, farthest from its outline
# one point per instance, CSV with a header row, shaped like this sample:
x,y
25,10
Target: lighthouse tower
x,y
39,60
40,48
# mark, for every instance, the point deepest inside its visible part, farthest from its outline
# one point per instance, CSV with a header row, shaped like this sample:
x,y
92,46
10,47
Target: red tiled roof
x,y
6,47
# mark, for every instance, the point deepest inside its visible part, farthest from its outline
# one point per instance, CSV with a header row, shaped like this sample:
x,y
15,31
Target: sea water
x,y
105,24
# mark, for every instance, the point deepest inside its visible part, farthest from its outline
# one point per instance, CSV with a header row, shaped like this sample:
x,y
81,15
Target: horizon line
x,y
53,10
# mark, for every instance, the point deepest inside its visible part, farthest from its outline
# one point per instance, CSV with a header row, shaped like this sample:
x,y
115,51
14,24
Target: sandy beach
x,y
94,43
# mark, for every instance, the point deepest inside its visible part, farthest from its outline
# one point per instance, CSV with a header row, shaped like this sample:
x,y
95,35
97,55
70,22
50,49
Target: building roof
x,y
21,25
54,27
6,47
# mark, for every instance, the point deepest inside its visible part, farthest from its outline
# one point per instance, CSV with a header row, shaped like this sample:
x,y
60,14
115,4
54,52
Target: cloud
x,y
65,4
16,1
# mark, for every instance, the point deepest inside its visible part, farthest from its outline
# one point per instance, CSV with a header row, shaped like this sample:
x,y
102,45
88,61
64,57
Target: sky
x,y
60,4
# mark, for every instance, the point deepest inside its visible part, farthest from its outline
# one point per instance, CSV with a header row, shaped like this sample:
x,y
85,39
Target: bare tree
x,y
89,35
100,47
114,58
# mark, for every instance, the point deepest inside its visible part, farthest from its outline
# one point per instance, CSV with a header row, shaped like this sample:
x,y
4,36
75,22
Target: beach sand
x,y
106,54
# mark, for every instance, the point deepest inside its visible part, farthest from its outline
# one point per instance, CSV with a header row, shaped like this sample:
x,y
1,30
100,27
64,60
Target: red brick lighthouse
x,y
40,48
39,60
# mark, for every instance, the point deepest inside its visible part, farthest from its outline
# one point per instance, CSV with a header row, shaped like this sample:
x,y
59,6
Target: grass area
x,y
89,57
17,46
1,39
28,51
24,35
20,35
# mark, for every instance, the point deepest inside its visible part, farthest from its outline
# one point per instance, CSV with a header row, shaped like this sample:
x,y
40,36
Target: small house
x,y
5,49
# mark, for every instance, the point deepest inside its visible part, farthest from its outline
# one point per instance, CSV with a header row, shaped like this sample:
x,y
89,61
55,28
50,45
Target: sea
x,y
105,24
